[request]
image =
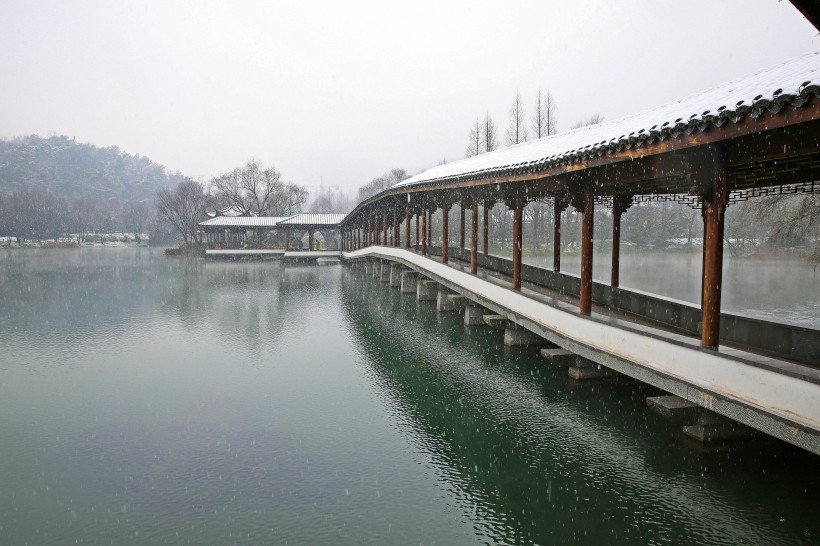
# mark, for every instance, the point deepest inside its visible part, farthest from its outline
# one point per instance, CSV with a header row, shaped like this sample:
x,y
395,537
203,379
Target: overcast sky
x,y
340,92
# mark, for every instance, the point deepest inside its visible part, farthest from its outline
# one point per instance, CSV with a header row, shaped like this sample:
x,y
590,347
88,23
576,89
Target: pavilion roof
x,y
244,221
313,220
794,82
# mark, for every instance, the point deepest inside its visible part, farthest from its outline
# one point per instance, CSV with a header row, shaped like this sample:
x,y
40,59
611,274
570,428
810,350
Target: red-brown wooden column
x,y
429,228
713,258
486,228
424,226
474,238
369,234
556,236
396,232
407,226
445,232
585,302
518,216
418,238
385,223
619,205
461,241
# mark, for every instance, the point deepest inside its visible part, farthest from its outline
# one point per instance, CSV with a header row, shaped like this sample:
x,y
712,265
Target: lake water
x,y
146,399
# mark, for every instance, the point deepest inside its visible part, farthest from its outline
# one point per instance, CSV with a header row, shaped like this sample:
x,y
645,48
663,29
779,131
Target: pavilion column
x,y
310,239
359,237
384,228
429,229
424,227
461,240
588,207
518,218
368,236
418,240
556,235
445,232
396,231
474,238
486,228
715,202
619,205
407,226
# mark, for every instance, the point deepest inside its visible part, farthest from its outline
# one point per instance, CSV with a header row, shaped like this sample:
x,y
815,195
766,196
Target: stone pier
x,y
516,336
426,290
473,315
443,302
396,271
584,370
409,282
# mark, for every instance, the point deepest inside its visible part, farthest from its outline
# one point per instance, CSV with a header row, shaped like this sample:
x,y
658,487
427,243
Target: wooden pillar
x,y
486,228
424,227
518,216
585,302
396,232
429,228
368,237
713,258
418,240
474,238
407,226
445,232
461,241
556,236
310,239
386,241
619,205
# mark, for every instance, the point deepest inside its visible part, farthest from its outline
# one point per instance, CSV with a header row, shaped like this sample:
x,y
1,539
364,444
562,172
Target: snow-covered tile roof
x,y
244,221
793,82
314,219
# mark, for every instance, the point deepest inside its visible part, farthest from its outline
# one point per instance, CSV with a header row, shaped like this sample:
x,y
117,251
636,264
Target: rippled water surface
x,y
145,399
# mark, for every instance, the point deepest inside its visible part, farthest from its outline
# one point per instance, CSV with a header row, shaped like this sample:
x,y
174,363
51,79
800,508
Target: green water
x,y
152,400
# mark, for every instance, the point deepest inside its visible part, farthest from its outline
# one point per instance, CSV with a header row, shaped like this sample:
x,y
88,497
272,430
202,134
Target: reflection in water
x,y
148,399
533,457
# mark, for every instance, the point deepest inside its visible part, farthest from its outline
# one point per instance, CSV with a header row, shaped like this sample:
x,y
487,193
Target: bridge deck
x,y
775,396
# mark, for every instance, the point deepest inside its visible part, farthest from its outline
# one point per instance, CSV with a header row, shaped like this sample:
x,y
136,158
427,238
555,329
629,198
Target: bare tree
x,y
228,188
474,145
593,119
489,137
380,183
183,207
289,200
517,132
544,121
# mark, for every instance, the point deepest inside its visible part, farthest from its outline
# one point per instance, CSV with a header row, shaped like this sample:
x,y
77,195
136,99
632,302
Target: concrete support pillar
x,y
713,258
474,238
518,215
711,427
396,271
585,302
473,315
516,336
426,290
558,357
384,276
409,282
443,302
586,369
